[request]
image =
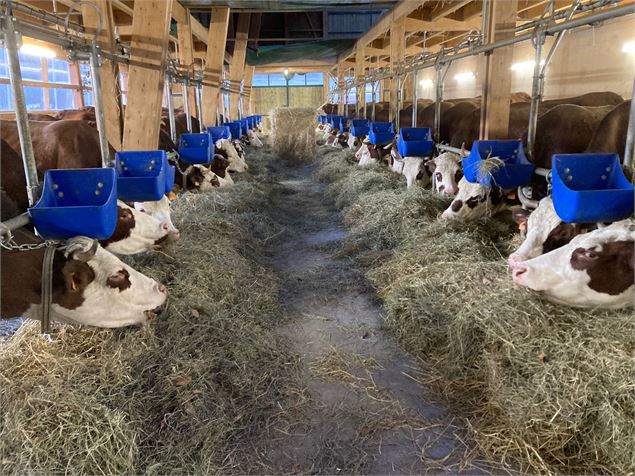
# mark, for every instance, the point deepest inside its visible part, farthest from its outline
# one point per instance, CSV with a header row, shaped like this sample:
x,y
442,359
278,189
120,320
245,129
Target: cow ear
x,y
77,276
520,216
431,165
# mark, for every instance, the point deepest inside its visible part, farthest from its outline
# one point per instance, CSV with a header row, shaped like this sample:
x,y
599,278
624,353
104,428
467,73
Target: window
x,y
36,69
278,79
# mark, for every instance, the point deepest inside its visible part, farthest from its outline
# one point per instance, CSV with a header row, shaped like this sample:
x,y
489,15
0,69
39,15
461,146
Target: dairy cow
x,y
544,231
474,201
446,173
595,269
90,285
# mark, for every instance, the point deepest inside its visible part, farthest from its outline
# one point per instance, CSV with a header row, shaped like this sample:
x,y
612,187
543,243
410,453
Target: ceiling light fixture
x,y
467,76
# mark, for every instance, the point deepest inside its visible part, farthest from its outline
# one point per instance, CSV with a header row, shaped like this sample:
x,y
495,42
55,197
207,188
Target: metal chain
x,y
8,243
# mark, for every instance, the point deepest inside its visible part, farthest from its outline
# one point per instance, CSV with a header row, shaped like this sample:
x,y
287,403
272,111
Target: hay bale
x,y
293,134
176,396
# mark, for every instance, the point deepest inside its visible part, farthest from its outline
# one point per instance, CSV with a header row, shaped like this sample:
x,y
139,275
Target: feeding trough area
x,y
415,142
244,126
76,202
170,174
381,133
500,163
336,121
195,148
589,188
220,132
141,175
235,129
360,127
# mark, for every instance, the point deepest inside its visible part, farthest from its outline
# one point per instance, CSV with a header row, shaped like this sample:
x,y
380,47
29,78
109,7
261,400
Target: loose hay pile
x,y
186,394
545,388
293,133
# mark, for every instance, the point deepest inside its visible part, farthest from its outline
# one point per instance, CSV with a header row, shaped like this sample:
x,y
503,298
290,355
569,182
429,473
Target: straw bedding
x,y
189,393
545,388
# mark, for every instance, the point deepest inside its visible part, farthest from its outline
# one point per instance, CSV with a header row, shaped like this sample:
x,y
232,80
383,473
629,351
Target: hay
x,y
545,388
293,134
191,392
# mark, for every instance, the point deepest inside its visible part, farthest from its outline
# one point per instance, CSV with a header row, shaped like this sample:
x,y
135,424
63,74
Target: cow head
x,y
543,230
342,139
227,149
136,232
254,139
92,286
594,270
354,143
160,210
446,173
474,201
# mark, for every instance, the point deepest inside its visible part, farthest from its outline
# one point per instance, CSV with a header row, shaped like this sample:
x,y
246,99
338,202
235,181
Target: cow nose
x,y
518,272
165,227
513,260
175,235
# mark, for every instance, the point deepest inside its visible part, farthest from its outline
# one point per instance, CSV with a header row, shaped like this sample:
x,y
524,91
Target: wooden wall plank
x,y
186,53
360,68
216,41
237,66
150,32
498,75
248,107
397,51
109,70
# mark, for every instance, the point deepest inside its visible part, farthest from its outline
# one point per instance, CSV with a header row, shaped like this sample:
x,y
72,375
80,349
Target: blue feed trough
x,y
343,126
235,129
415,142
589,188
515,171
194,148
220,132
244,127
140,175
335,121
77,202
381,133
321,119
170,174
258,119
360,127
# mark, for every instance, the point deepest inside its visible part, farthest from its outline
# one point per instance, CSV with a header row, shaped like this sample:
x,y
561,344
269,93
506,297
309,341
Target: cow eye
x,y
472,202
591,254
438,176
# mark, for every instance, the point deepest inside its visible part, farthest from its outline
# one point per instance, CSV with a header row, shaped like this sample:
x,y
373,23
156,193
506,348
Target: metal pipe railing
x,y
186,106
171,118
630,134
21,115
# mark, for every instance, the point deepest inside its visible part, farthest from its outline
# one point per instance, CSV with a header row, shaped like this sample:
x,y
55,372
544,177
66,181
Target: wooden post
x,y
109,70
150,34
214,58
340,84
360,67
237,66
397,51
186,54
249,78
497,83
326,87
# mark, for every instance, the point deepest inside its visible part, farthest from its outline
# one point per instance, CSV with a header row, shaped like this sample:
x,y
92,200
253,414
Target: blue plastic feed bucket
x,y
511,170
140,175
381,133
359,131
170,175
194,148
589,188
77,202
360,122
415,142
343,124
220,132
235,129
244,127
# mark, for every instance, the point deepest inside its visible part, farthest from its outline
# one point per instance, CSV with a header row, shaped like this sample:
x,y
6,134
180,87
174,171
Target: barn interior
x,y
317,236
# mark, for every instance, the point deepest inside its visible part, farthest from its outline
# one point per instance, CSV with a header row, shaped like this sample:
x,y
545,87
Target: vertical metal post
x,y
199,107
437,105
630,133
171,119
414,98
99,109
537,87
396,118
22,119
346,91
186,105
374,99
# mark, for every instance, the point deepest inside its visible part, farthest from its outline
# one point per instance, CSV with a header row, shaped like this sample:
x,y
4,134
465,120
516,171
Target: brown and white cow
x,y
229,150
254,140
595,269
544,231
473,201
91,286
446,173
415,169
